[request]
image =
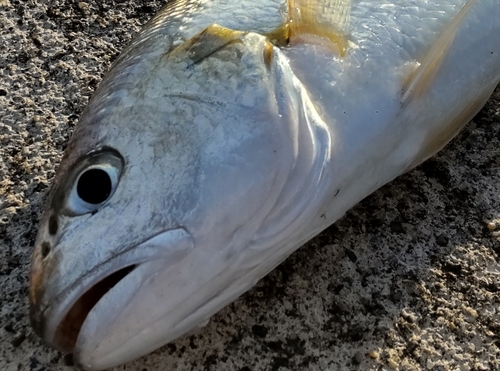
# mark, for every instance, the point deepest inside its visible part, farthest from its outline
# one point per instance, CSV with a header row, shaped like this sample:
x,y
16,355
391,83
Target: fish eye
x,y
94,184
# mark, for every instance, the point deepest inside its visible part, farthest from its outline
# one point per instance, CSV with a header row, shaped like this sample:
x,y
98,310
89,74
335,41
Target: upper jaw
x,y
58,315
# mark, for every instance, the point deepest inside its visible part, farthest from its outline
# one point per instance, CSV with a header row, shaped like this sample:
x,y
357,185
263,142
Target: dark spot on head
x,y
53,225
45,249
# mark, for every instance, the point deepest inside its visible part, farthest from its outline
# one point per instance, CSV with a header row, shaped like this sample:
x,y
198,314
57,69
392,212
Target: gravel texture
x,y
408,280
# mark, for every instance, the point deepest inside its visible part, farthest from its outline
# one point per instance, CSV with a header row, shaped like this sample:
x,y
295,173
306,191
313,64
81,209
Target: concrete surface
x,y
408,280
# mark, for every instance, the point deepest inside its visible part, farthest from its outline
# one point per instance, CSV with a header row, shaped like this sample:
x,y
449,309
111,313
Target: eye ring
x,y
95,182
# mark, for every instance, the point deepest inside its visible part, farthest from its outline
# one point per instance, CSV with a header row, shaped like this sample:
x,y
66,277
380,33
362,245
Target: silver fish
x,y
227,135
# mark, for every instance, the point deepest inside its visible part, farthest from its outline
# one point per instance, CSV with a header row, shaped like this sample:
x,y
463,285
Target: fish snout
x,y
37,287
44,263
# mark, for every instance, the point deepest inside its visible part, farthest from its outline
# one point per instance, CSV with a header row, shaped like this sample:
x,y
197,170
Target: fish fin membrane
x,y
324,22
207,42
420,79
438,138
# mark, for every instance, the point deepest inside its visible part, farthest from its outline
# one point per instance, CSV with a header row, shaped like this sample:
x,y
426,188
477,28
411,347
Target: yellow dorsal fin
x,y
422,78
320,21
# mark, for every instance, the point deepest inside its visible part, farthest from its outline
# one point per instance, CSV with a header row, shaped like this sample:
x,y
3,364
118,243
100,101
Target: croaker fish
x,y
227,135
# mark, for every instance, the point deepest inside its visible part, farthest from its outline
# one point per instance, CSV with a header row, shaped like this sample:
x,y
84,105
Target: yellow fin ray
x,y
422,78
207,42
438,138
320,21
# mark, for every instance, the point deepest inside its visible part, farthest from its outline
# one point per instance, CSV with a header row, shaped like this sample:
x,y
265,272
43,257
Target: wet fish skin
x,y
226,153
190,153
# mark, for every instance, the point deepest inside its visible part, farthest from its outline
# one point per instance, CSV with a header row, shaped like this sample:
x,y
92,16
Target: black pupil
x,y
94,186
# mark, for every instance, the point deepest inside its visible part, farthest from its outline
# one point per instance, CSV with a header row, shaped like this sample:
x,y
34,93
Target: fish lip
x,y
49,317
67,332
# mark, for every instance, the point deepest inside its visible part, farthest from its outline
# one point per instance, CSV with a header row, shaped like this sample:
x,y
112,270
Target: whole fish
x,y
227,135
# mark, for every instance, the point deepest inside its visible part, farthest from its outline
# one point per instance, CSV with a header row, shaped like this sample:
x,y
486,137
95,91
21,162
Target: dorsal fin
x,y
422,78
320,21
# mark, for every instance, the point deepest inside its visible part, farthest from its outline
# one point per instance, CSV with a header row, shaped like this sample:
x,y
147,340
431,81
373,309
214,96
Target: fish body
x,y
227,135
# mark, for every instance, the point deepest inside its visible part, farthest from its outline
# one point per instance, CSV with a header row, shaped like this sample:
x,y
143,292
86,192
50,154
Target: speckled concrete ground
x,y
409,279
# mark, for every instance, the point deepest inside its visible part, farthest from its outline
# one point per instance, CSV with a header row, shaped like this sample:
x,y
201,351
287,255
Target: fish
x,y
228,134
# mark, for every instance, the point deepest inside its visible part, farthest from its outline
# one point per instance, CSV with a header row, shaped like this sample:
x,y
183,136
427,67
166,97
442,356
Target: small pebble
x,y
430,364
410,317
471,311
392,363
442,240
259,330
397,227
10,210
83,6
491,226
18,339
396,296
358,358
352,256
9,327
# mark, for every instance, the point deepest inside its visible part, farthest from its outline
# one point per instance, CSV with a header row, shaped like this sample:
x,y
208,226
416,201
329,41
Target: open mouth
x,y
67,331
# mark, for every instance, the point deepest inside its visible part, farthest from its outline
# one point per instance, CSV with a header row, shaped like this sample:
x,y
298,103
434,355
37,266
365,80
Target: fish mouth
x,y
84,309
67,331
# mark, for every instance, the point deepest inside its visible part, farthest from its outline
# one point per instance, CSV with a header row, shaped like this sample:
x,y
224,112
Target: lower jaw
x,y
67,331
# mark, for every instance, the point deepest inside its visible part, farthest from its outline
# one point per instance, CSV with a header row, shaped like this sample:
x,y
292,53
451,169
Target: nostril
x,y
45,249
53,225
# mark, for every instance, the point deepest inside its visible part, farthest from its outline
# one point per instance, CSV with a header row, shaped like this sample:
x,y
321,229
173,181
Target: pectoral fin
x,y
438,138
206,43
422,77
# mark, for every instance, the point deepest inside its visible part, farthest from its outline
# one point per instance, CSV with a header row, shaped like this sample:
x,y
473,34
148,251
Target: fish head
x,y
175,165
